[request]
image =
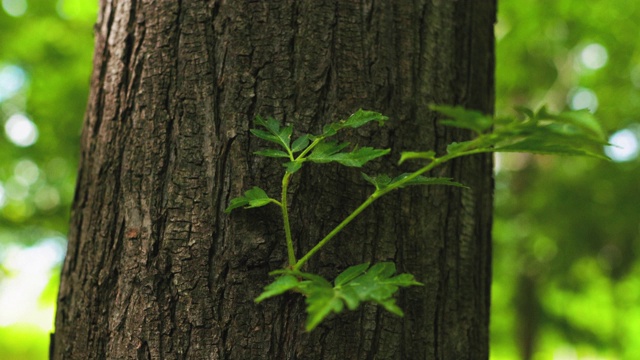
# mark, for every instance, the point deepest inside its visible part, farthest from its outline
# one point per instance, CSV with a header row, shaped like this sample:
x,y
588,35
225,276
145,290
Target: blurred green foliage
x,y
45,64
567,230
567,233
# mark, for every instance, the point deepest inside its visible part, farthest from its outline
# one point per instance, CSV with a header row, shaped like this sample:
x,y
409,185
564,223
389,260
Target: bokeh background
x,y
567,230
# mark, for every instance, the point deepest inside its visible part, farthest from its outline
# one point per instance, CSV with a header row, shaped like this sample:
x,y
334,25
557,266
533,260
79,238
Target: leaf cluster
x,y
357,284
567,133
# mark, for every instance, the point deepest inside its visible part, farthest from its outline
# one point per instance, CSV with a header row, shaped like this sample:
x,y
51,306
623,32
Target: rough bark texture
x,y
156,270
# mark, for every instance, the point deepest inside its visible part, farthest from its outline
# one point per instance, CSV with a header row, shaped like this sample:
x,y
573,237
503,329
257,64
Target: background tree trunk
x,y
156,270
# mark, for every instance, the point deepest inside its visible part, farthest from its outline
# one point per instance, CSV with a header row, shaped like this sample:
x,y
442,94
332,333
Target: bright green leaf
x,y
278,286
292,166
351,273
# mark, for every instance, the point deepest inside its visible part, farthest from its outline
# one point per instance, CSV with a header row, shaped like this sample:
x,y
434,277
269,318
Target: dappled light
x,y
15,7
582,98
21,130
594,56
624,145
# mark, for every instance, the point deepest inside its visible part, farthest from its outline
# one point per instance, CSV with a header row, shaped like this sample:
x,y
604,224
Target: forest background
x,y
566,281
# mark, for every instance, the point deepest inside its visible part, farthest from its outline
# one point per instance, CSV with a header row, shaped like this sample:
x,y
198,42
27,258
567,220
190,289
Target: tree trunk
x,y
156,270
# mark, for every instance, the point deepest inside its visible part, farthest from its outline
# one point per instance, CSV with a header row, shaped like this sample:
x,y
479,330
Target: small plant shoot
x,y
566,133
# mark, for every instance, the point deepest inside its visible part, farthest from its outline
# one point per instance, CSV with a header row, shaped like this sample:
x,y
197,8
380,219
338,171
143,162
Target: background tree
x,y
155,270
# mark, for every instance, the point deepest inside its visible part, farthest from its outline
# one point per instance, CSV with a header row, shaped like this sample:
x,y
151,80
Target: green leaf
x,y
463,118
236,203
272,153
353,286
351,273
279,286
324,151
321,301
330,151
255,197
356,120
293,166
407,155
276,134
362,117
423,180
359,157
300,143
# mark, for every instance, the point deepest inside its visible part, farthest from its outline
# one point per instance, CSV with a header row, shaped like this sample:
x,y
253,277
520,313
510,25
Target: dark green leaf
x,y
422,180
465,119
330,151
359,157
362,117
275,134
323,152
300,143
272,153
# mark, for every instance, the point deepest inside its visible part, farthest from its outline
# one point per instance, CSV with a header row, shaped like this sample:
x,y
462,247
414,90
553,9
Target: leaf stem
x,y
336,230
285,219
376,195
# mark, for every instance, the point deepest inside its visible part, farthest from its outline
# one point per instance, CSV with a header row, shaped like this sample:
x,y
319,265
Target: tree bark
x,y
156,270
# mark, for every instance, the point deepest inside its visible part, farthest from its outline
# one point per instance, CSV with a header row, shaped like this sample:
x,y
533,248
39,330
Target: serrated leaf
x,y
323,151
362,117
350,273
423,180
407,155
330,151
279,286
300,143
265,136
276,134
272,153
464,119
236,203
356,120
320,303
544,148
254,197
359,157
353,286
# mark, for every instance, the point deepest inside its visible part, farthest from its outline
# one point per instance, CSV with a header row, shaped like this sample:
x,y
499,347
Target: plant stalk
x,y
285,219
